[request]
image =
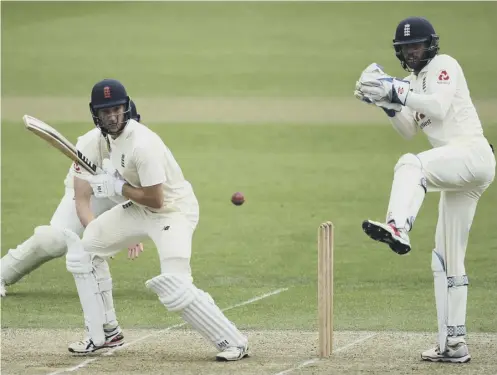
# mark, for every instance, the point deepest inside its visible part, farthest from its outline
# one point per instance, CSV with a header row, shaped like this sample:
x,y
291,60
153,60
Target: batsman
x,y
161,206
461,165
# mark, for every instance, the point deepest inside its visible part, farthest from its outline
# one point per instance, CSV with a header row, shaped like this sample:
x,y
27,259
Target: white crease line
x,y
315,360
111,351
299,366
355,343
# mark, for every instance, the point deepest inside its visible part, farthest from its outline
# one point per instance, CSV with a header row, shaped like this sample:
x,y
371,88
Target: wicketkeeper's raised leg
x,y
461,183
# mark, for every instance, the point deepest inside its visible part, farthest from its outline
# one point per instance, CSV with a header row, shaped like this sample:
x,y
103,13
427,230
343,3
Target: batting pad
x,y
93,306
197,307
79,263
104,281
175,292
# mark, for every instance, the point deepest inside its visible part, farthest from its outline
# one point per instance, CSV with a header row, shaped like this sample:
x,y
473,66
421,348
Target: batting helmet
x,y
134,112
414,30
106,94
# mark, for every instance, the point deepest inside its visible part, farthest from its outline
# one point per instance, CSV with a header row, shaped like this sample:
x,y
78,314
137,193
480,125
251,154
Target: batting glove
x,y
106,185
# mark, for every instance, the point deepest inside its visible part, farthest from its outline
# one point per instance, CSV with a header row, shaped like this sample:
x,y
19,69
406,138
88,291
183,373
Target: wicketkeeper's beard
x,y
416,62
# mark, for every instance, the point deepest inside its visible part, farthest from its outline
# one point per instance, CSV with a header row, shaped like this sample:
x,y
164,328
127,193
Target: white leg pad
x,y
79,263
46,244
104,280
198,309
407,193
175,292
441,297
457,300
93,307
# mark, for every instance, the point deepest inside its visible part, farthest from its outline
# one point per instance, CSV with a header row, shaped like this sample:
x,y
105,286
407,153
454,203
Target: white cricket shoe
x,y
457,353
3,290
113,337
233,353
397,239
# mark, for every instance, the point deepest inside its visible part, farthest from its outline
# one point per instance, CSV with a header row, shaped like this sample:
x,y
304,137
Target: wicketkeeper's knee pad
x,y
175,291
412,164
410,160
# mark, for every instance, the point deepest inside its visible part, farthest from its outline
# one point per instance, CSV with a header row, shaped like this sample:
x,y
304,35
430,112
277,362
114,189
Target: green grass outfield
x,y
274,49
294,176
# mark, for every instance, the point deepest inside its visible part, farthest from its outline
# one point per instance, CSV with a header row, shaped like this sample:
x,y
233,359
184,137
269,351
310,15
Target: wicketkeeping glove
x,y
376,85
388,88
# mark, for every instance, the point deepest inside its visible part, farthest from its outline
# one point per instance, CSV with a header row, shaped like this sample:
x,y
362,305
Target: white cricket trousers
x,y
126,223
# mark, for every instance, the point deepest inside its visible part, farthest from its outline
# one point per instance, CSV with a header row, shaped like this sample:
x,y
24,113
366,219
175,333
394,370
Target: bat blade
x,y
58,141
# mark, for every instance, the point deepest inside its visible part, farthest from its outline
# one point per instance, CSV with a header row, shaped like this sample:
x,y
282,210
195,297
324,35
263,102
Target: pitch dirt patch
x,y
305,110
39,351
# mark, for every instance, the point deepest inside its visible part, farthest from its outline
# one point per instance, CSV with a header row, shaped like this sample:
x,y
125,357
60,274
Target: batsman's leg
x,y
86,260
456,213
80,264
175,289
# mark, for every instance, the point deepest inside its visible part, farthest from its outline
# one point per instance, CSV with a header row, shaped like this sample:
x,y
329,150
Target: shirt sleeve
x,y
88,144
149,164
403,122
439,87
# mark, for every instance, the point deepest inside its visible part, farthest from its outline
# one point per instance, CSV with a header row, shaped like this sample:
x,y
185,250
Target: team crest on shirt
x,y
443,77
77,169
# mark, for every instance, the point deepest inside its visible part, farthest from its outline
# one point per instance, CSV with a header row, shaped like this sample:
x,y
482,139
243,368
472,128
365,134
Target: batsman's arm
x,y
150,196
82,198
151,174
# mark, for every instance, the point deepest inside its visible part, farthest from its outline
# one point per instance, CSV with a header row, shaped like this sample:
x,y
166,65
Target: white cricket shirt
x,y
142,159
441,102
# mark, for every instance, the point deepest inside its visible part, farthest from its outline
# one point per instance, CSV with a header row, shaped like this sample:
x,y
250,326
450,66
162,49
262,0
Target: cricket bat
x,y
57,140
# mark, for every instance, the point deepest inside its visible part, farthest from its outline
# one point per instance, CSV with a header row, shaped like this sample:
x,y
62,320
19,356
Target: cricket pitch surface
x,y
182,351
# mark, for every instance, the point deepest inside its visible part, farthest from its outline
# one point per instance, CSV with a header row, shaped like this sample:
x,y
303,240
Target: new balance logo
x,y
407,30
122,160
128,204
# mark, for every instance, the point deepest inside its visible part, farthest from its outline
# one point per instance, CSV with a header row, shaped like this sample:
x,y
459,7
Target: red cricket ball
x,y
237,199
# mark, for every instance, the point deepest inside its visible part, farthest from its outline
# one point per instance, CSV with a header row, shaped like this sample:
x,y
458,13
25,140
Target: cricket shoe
x,y
3,290
397,239
113,337
457,353
233,353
